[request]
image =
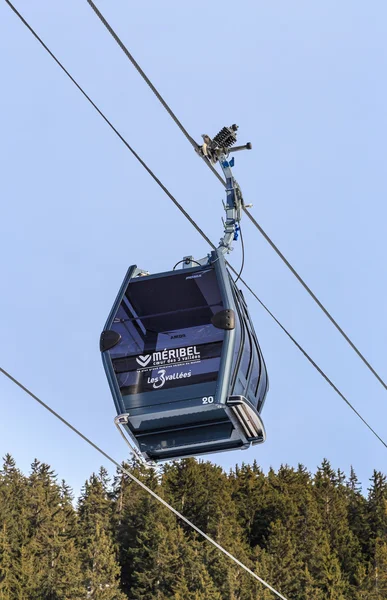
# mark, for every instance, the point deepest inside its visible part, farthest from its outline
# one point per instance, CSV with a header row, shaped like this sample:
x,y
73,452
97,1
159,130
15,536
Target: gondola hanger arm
x,y
218,149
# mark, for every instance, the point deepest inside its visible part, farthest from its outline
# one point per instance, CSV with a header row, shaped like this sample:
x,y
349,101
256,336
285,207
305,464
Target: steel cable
x,y
152,87
252,219
191,220
141,484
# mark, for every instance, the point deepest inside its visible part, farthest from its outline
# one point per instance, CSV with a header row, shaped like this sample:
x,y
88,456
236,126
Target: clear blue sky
x,y
306,83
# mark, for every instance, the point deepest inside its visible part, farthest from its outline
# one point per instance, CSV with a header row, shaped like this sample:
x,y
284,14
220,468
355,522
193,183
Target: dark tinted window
x,y
254,377
246,356
167,339
239,333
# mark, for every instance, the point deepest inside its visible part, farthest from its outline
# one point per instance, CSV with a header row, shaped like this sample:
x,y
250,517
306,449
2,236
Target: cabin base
x,y
221,427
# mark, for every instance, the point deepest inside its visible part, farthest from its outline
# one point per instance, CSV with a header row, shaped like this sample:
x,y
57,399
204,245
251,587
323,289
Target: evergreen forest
x,y
312,536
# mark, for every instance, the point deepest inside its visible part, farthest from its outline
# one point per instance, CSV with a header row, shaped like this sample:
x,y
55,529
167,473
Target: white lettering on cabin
x,y
172,356
158,382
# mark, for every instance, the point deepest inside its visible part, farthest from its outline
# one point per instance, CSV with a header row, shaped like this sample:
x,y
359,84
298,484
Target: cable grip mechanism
x,y
218,149
221,144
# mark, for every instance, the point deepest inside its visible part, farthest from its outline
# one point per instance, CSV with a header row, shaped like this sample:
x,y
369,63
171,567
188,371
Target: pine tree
x,y
310,536
102,572
311,589
335,585
13,532
192,574
181,591
376,583
376,513
95,503
155,556
285,566
248,489
51,562
379,575
127,518
68,578
357,506
332,496
9,577
153,549
195,489
203,493
98,552
262,565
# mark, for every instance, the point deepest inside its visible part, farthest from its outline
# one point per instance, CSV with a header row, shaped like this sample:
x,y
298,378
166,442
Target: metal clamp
x,y
120,421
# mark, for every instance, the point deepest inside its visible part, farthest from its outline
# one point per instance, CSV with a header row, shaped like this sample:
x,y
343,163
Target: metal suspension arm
x,y
218,149
233,205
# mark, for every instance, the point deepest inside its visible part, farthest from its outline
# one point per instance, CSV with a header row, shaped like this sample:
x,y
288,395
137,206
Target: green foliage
x,y
310,536
13,532
98,553
38,556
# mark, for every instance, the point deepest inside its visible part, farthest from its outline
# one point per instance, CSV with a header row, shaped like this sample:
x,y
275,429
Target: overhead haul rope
x,y
152,87
141,484
190,219
220,178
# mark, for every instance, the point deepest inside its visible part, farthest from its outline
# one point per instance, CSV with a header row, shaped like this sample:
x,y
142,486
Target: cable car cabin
x,y
183,363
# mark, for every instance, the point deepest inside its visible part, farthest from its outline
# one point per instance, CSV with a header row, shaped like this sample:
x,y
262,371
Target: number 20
x,y
208,399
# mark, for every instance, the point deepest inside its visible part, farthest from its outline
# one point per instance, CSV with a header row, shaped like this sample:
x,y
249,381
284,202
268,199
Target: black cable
x,y
179,206
140,483
317,301
255,223
243,255
152,87
184,260
314,364
143,75
107,120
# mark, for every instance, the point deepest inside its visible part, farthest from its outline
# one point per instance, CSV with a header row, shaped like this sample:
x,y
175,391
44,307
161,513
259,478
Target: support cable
x,y
198,229
317,301
252,219
243,255
152,87
141,484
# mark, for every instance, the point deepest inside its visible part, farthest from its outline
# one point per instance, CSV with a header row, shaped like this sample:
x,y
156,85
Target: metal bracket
x,y
140,273
121,420
189,262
